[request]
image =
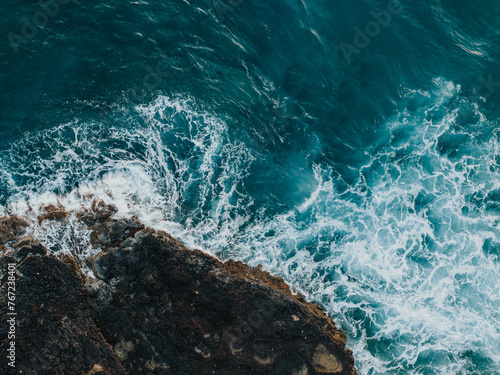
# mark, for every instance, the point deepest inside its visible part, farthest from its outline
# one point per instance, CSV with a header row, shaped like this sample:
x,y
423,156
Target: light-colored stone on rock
x,y
325,362
97,368
123,348
302,371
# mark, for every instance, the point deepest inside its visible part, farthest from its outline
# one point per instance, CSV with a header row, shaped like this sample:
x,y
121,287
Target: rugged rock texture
x,y
52,212
11,228
56,333
156,307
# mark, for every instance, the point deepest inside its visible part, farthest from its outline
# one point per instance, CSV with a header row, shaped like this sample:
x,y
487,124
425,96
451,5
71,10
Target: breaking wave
x,y
406,258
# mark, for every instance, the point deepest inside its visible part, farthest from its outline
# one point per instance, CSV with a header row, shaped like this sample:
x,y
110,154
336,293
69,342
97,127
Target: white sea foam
x,y
404,259
171,166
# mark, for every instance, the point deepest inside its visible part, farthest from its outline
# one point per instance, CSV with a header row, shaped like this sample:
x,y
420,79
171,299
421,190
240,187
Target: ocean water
x,y
351,147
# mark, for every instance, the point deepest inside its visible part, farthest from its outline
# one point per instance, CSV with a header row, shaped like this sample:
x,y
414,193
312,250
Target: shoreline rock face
x,y
156,307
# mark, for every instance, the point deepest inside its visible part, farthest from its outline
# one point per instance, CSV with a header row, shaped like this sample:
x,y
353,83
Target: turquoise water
x,y
351,147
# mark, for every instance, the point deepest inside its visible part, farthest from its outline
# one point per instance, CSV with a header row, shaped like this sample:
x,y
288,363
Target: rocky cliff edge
x,y
152,307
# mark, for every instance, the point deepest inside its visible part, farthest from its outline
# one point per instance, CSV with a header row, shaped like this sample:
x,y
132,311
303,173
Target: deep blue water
x,y
364,169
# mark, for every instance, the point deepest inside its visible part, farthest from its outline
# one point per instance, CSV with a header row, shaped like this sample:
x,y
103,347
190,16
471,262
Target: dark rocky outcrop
x,y
11,228
98,213
55,333
156,307
52,212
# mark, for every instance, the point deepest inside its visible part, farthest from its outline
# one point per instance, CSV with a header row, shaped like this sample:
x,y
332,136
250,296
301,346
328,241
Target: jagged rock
x,y
52,212
28,245
156,307
11,227
98,213
55,331
114,232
